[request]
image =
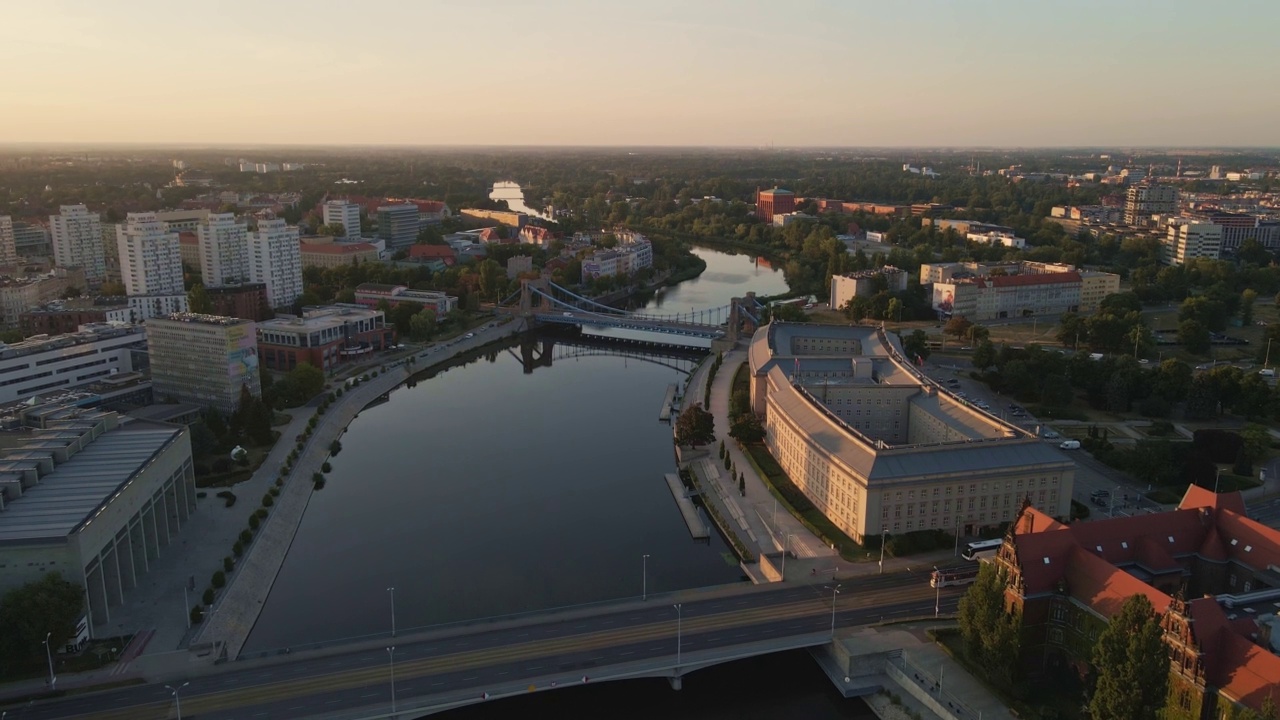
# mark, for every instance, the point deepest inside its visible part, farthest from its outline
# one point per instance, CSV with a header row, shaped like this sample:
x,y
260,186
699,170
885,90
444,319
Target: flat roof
x,y
69,496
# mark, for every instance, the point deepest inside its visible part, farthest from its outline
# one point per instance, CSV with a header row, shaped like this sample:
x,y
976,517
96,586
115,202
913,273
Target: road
x,y
444,668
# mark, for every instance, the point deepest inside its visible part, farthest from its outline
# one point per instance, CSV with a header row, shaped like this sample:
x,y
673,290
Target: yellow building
x,y
877,447
332,254
1094,286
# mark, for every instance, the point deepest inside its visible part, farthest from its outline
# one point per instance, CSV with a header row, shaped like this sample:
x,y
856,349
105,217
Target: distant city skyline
x,y
824,73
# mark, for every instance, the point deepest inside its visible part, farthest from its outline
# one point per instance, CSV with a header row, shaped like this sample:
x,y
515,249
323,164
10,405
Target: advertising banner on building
x,y
242,354
944,297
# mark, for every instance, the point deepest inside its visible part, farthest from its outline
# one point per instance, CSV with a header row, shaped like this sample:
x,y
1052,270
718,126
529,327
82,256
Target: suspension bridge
x,y
544,349
546,302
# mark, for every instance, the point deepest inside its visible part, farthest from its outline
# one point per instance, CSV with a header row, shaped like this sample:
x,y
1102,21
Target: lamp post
x,y
785,544
1267,362
644,580
835,590
186,606
679,622
957,550
1113,500
392,590
1217,480
391,655
937,593
884,532
49,656
177,699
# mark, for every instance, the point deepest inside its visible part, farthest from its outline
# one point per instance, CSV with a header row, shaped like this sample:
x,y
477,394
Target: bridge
x,y
432,670
544,349
546,302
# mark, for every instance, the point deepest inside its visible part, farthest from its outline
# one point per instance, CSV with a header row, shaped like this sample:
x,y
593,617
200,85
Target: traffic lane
x,y
570,667
275,670
1267,513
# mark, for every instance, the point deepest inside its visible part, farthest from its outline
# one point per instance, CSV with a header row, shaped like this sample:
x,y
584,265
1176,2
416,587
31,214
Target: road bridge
x,y
546,302
664,636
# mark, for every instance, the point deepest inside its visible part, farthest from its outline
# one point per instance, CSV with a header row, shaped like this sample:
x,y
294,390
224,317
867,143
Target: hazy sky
x,y
650,72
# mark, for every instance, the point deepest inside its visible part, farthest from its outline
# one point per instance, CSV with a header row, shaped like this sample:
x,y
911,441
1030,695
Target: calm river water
x,y
486,491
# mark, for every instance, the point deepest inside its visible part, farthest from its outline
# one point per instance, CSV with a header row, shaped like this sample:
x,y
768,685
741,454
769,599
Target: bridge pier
x,y
676,681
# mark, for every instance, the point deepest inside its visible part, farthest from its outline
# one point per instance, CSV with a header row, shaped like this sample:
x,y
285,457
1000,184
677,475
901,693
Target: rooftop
x,y
89,332
202,319
337,248
316,317
69,496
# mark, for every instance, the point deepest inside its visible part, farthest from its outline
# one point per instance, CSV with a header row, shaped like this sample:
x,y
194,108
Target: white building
x,y
8,246
1185,241
224,250
998,238
46,364
345,213
77,241
633,253
863,283
275,259
151,266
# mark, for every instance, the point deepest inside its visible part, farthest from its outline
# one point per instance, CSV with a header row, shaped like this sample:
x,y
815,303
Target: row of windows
x,y
1004,501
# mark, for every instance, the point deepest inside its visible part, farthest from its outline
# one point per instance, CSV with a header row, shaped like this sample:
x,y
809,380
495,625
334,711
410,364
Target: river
x,y
485,490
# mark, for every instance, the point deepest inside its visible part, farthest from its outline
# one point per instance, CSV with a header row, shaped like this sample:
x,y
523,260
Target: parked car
x,y
1070,445
1051,435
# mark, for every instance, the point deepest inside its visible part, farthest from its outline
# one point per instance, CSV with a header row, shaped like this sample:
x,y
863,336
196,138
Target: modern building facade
x,y
42,365
77,241
370,294
224,250
1208,570
203,359
1185,241
31,240
151,266
398,225
879,448
774,202
864,283
325,337
1008,296
96,500
8,243
1145,200
275,260
343,213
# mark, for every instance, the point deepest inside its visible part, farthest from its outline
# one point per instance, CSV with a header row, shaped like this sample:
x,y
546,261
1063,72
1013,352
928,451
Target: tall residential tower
x,y
275,259
151,266
77,241
224,250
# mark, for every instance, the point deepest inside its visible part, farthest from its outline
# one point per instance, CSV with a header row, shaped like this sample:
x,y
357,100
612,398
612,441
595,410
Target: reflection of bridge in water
x,y
544,349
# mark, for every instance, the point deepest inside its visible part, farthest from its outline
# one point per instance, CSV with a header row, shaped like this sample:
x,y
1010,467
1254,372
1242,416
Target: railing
x,y
929,684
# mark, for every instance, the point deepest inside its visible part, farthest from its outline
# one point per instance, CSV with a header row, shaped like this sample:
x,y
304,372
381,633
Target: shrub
x,y
201,495
197,615
326,467
227,564
317,481
228,496
275,491
246,537
218,580
1160,428
208,596
253,522
261,513
338,392
279,482
333,396
267,500
222,464
238,548
335,447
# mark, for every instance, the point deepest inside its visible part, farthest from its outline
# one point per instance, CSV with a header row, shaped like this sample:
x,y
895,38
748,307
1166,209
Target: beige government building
x,y
878,447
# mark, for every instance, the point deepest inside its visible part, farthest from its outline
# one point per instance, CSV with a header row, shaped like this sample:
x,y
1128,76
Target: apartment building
x,y
77,241
8,243
398,225
275,260
1145,200
151,266
224,250
344,213
864,283
1186,240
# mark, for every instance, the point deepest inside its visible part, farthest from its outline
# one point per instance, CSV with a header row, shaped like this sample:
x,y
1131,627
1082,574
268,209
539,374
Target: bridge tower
x,y
527,286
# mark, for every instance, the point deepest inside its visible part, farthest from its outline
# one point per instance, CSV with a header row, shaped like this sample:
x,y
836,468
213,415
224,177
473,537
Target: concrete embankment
x,y
233,617
664,413
697,527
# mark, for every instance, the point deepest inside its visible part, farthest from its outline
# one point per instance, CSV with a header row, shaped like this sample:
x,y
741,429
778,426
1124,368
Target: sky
x,y
822,73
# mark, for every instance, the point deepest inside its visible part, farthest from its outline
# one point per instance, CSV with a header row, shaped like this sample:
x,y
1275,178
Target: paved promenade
x,y
239,605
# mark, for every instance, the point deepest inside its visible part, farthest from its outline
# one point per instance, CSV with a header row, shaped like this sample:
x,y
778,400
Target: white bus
x,y
981,549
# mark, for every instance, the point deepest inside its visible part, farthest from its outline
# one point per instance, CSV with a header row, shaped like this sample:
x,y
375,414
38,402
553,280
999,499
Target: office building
x,y
248,301
1185,241
398,225
370,294
31,240
42,365
275,260
866,283
633,253
224,250
77,241
324,253
8,244
1143,201
774,202
151,266
510,218
1009,296
20,295
1208,570
1094,286
181,221
203,359
59,317
324,336
346,214
1238,227
879,448
97,500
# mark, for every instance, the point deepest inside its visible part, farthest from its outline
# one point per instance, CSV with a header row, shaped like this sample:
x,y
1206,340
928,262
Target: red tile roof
x,y
1104,587
442,252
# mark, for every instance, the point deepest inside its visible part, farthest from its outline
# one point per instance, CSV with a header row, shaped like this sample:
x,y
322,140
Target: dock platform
x,y
697,527
664,413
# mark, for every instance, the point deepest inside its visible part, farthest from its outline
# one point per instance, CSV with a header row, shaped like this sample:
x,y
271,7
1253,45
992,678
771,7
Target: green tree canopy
x,y
30,612
746,428
990,633
199,301
1132,665
695,427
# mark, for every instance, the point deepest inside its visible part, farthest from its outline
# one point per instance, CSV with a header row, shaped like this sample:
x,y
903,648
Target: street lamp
x,y
835,590
785,544
392,590
1267,362
644,582
1217,480
679,622
391,654
884,533
49,656
1113,501
176,698
937,593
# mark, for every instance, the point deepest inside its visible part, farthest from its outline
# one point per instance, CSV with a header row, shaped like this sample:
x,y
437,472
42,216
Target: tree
x,y
746,428
1247,298
958,326
894,310
422,325
199,301
916,345
984,356
30,612
1132,664
1120,304
695,427
989,632
1194,336
306,381
332,229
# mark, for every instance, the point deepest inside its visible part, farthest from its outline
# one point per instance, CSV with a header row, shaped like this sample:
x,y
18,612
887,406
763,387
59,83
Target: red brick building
x,y
774,202
247,301
427,253
1211,572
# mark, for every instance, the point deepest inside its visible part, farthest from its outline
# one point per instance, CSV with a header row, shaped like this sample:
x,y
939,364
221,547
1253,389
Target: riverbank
x,y
231,620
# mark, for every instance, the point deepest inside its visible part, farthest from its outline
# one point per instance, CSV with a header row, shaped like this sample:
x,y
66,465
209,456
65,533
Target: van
x,y
1267,372
1070,445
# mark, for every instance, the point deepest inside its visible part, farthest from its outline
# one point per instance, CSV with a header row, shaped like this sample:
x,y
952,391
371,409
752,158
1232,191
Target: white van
x,y
1267,372
1070,445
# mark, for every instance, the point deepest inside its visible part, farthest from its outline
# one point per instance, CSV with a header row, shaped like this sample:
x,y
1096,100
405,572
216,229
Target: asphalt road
x,y
448,668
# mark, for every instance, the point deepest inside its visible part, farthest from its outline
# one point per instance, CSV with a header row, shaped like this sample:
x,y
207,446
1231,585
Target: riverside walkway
x,y
233,616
